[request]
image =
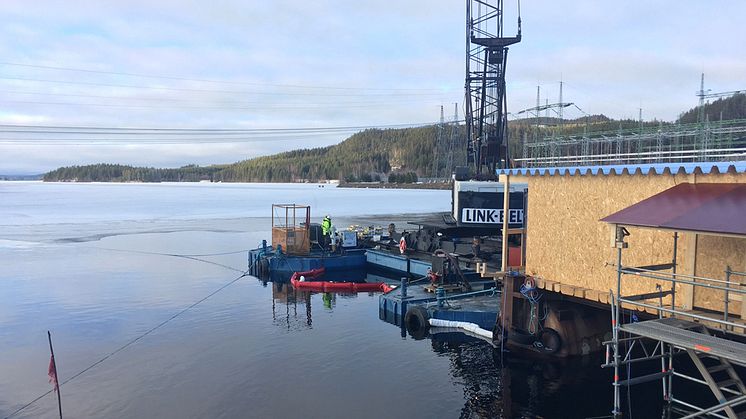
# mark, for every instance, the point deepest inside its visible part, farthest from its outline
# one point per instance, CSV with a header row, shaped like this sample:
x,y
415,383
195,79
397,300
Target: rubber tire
x,y
417,322
521,337
263,268
550,340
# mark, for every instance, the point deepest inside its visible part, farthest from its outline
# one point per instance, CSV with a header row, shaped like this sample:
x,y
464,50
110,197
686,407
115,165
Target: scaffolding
x,y
707,338
669,143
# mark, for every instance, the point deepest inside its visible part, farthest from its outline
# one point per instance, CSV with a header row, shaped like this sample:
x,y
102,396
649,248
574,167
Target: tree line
x,y
373,155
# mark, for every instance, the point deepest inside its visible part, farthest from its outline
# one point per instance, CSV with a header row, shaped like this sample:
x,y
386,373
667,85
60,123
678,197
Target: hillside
x,y
374,154
733,107
369,152
360,157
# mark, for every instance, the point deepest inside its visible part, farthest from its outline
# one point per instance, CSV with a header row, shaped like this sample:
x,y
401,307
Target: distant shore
x,y
376,185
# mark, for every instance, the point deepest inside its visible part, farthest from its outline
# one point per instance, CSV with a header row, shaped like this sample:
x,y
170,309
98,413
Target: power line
x,y
264,104
147,141
186,89
214,80
56,135
210,130
240,130
134,106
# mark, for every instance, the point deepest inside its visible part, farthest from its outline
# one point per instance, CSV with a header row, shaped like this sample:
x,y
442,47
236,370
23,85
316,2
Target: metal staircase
x,y
712,356
723,381
718,358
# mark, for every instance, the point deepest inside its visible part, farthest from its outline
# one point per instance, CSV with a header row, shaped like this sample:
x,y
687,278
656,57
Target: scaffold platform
x,y
688,335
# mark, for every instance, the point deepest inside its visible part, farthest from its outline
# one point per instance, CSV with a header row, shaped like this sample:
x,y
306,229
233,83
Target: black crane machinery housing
x,y
473,227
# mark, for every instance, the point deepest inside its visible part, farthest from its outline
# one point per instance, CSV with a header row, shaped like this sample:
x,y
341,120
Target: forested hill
x,y
366,155
733,107
372,154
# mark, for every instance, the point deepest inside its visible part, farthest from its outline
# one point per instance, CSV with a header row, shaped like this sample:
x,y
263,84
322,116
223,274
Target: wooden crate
x,y
294,241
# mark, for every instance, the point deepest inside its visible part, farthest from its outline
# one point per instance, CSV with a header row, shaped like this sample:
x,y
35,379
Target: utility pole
x,y
439,143
538,105
561,106
453,141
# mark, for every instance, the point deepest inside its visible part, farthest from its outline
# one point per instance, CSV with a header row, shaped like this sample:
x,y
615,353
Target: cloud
x,y
289,63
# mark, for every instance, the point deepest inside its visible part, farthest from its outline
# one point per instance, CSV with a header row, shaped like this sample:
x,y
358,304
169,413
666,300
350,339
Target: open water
x,y
100,264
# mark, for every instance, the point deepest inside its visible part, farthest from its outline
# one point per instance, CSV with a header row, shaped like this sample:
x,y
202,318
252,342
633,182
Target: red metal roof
x,y
718,208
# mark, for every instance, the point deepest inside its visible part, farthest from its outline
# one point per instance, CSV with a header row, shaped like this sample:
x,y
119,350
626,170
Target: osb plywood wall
x,y
713,255
566,243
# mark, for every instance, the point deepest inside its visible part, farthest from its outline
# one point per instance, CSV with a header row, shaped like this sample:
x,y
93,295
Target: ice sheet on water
x,y
74,212
18,244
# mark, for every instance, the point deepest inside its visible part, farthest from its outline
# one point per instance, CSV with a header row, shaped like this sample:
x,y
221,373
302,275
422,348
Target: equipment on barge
x,y
299,245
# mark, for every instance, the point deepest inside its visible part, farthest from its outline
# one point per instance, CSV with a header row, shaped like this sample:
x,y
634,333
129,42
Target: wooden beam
x,y
506,219
591,294
687,291
743,303
506,312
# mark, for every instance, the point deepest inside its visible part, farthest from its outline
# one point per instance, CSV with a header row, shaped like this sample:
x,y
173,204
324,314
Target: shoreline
x,y
435,186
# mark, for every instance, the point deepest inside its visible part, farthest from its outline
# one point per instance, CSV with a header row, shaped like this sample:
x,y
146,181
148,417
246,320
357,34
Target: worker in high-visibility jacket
x,y
326,229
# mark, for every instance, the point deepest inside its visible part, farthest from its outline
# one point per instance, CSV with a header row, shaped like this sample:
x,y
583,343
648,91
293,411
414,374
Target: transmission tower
x,y
440,143
703,120
453,143
486,58
705,94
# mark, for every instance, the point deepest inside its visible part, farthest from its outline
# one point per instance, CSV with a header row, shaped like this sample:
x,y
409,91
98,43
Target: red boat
x,y
300,280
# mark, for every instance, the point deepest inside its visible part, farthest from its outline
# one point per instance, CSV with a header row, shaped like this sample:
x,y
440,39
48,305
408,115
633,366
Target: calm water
x,y
86,262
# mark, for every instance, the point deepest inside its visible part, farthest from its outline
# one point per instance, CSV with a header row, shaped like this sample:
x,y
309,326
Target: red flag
x,y
53,374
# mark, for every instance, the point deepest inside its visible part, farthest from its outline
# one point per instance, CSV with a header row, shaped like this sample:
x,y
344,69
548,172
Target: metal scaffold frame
x,y
677,331
704,141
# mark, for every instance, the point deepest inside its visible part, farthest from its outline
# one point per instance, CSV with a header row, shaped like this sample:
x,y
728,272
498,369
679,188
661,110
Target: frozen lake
x,y
100,264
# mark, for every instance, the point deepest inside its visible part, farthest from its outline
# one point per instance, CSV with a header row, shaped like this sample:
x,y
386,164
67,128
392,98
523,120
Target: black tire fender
x,y
263,268
417,322
551,342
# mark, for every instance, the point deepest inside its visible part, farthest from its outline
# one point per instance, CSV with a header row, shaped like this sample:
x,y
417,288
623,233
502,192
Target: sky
x,y
249,64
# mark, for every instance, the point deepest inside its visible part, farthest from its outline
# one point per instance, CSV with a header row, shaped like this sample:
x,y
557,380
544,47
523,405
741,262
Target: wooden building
x,y
569,249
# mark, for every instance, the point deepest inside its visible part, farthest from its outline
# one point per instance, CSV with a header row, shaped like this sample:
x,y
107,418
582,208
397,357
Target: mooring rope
x,y
153,329
177,255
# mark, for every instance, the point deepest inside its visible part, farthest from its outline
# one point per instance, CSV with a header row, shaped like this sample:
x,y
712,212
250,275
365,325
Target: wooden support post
x,y
687,301
743,302
506,219
506,311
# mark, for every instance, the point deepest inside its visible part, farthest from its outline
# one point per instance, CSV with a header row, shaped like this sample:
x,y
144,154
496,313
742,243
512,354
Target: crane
x,y
486,105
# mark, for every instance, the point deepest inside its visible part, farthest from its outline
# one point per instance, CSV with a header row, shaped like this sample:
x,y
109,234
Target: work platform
x,y
684,334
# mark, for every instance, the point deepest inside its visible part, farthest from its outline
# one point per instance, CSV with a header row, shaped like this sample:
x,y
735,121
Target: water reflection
x,y
504,385
284,294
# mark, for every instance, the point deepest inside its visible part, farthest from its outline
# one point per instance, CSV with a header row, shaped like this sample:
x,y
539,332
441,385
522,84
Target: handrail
x,y
696,284
682,313
677,274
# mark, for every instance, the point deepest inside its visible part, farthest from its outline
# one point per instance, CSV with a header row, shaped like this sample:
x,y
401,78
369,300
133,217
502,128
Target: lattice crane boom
x,y
486,59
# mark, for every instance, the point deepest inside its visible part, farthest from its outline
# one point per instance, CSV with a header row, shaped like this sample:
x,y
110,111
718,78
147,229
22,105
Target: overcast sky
x,y
325,63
